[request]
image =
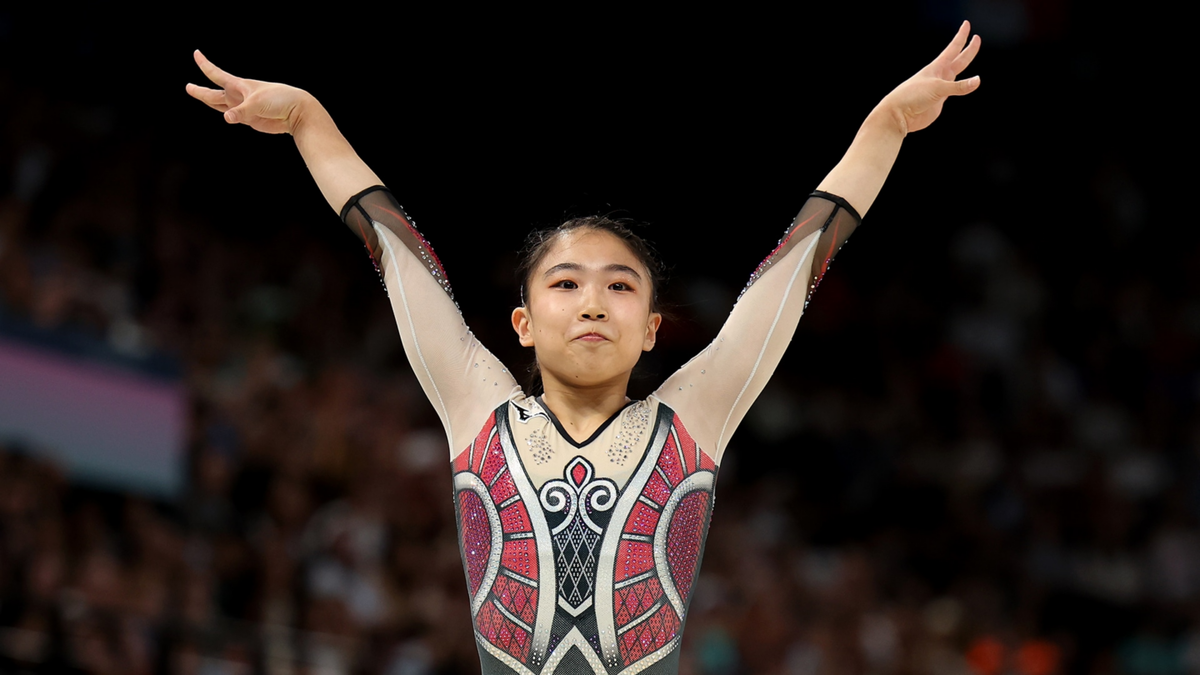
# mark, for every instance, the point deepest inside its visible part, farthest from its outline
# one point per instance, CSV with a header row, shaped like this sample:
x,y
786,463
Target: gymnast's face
x,y
588,312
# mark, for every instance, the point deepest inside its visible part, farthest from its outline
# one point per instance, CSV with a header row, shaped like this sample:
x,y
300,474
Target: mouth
x,y
592,337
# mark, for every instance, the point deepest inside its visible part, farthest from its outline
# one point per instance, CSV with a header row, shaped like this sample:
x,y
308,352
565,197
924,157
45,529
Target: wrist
x,y
886,119
306,111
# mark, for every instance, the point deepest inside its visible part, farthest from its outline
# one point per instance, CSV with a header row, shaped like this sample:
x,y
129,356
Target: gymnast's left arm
x,y
713,391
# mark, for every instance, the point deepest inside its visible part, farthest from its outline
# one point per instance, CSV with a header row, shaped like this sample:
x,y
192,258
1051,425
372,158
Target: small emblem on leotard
x,y
528,411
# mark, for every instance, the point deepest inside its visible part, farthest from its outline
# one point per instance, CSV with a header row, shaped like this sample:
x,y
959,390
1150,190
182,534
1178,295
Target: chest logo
x,y
578,509
525,414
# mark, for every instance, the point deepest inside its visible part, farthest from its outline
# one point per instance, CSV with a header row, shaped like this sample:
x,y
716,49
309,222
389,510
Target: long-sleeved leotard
x,y
580,558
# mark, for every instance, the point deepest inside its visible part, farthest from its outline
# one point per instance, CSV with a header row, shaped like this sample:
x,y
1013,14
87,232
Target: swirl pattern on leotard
x,y
585,578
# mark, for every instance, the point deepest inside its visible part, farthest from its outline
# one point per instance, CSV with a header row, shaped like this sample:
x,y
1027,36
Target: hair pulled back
x,y
539,243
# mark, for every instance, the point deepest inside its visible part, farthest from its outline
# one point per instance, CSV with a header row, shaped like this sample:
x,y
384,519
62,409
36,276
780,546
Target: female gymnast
x,y
582,514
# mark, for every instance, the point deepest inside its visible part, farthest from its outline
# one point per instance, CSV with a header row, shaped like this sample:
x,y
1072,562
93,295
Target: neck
x,y
581,410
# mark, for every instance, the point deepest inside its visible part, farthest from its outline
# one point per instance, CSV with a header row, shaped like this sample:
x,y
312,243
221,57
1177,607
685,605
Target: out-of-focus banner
x,y
105,424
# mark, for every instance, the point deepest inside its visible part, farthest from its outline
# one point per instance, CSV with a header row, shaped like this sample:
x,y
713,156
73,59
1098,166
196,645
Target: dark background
x,y
979,454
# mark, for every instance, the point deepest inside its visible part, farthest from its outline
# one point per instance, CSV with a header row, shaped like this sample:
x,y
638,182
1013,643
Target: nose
x,y
593,309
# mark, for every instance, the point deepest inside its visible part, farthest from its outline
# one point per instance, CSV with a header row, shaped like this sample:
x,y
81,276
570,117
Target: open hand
x,y
917,102
268,107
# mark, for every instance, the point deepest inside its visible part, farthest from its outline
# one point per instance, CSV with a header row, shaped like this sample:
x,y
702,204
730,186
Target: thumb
x,y
962,87
233,115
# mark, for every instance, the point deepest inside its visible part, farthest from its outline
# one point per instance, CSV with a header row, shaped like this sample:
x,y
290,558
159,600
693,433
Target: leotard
x,y
581,558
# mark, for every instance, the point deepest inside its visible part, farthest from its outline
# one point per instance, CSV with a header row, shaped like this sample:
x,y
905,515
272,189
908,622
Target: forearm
x,y
334,165
860,174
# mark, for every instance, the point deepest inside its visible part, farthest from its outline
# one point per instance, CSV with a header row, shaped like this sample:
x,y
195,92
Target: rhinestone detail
x,y
657,560
685,539
540,447
582,499
650,635
502,632
476,536
634,422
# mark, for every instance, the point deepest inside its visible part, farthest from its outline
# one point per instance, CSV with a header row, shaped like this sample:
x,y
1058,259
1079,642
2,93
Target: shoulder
x,y
523,407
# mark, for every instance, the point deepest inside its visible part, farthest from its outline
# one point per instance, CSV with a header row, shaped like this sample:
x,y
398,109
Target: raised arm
x,y
714,390
463,381
910,107
276,108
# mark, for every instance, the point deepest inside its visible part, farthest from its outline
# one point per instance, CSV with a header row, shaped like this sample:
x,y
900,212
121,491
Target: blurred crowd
x,y
991,468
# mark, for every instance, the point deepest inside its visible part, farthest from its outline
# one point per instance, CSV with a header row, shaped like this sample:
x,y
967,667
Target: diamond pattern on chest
x,y
575,569
577,509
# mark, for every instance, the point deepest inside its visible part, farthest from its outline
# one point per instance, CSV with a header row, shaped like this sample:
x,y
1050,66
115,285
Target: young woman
x,y
582,514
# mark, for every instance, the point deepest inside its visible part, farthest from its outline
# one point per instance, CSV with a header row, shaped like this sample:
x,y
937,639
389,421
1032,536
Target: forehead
x,y
590,248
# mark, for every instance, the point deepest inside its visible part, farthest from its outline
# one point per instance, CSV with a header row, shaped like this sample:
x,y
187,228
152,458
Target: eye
x,y
565,283
621,286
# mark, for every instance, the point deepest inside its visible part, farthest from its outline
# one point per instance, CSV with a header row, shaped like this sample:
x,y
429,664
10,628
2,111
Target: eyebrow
x,y
576,267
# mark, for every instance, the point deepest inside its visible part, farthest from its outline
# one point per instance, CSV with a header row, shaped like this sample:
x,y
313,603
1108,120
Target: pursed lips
x,y
592,337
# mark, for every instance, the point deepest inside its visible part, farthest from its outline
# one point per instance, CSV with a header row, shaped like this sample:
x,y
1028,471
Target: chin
x,y
592,377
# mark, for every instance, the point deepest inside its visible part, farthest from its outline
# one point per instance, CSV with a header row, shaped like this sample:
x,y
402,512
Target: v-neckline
x,y
563,432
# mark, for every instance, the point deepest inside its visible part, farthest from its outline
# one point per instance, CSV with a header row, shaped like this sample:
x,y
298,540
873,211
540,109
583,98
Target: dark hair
x,y
538,244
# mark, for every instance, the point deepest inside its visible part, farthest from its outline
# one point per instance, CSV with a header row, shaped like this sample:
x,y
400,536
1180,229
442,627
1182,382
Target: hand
x,y
268,107
917,102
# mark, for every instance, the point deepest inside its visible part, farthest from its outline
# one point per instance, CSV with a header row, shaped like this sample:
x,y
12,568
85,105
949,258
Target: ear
x,y
652,325
522,323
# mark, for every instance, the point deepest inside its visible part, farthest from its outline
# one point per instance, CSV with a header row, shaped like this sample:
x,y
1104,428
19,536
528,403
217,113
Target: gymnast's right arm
x,y
463,381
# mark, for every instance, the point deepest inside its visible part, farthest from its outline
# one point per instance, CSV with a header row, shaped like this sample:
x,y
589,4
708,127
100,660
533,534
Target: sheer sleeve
x,y
713,391
463,381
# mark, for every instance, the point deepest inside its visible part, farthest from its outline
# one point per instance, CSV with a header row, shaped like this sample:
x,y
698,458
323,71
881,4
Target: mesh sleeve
x,y
713,391
835,224
461,378
376,206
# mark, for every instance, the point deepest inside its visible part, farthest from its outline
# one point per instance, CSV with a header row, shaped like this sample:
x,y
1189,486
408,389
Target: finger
x,y
967,55
956,45
219,77
213,98
959,87
236,114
